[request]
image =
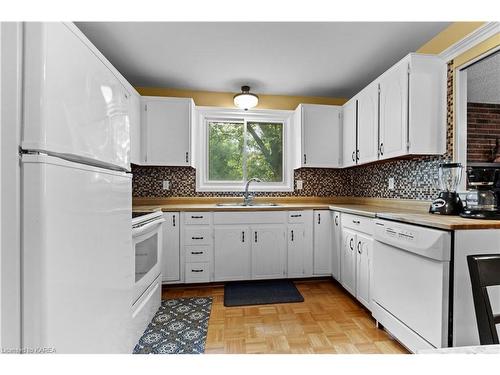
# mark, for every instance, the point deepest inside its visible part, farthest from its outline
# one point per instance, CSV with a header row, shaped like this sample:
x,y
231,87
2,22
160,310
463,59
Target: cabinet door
x,y
268,251
364,245
167,123
322,242
368,124
232,253
321,145
135,128
297,251
170,257
336,246
348,262
393,112
349,133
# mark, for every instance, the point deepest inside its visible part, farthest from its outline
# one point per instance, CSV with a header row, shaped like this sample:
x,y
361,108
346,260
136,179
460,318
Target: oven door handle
x,y
139,231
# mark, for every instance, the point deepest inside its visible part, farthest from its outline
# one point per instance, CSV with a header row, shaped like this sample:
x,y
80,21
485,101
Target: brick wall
x,y
483,130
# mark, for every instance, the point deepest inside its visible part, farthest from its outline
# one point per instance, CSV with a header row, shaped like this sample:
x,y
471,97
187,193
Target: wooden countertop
x,y
406,211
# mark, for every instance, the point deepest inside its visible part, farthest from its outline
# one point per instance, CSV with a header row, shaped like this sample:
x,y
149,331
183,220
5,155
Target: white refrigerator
x,y
77,255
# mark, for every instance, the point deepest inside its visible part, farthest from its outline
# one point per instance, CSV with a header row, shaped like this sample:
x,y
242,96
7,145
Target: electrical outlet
x,y
166,185
299,184
391,183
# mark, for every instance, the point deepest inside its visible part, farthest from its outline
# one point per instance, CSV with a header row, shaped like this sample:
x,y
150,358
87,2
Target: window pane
x,y
265,151
225,151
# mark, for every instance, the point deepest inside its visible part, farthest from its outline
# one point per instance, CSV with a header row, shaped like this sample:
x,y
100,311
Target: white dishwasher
x,y
411,273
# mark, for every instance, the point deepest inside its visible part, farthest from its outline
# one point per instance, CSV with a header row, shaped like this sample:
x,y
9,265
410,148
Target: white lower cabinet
x,y
171,260
336,245
232,253
348,260
297,255
356,267
268,252
322,242
364,246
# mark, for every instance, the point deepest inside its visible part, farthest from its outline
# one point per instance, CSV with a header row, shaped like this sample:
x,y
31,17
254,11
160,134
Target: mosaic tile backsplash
x,y
412,177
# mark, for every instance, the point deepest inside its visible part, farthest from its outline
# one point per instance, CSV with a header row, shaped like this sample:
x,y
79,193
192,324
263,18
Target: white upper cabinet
x,y
367,124
321,144
402,112
393,112
135,127
166,126
413,107
74,102
349,132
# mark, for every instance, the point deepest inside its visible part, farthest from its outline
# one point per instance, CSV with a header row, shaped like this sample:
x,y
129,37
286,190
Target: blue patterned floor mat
x,y
179,327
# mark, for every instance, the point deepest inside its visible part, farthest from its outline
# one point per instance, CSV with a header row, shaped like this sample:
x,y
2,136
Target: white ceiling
x,y
483,80
334,59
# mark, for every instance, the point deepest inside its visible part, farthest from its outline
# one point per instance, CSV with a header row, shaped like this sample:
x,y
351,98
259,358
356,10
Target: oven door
x,y
147,246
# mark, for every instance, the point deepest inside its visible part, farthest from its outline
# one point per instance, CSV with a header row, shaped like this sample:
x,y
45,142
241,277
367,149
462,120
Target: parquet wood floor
x,y
328,321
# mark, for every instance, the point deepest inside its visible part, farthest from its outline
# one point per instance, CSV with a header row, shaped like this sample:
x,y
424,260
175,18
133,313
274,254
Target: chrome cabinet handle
x,y
350,244
292,235
296,215
356,221
173,220
353,155
319,218
196,238
187,157
359,247
243,236
336,220
382,148
196,252
357,155
305,159
196,217
255,236
196,270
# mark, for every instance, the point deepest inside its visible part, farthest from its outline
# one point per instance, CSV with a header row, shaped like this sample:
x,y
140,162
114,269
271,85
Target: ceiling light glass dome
x,y
245,99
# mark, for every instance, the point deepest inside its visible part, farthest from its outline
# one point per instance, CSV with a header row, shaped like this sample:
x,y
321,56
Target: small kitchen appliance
x,y
448,202
482,196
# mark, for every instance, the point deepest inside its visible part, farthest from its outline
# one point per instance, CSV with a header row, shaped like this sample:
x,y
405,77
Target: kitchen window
x,y
237,148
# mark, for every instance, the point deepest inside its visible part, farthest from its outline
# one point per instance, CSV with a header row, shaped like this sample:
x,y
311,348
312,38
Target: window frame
x,y
208,114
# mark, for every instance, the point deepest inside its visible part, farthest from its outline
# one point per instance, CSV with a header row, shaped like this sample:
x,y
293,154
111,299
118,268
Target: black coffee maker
x,y
482,201
447,181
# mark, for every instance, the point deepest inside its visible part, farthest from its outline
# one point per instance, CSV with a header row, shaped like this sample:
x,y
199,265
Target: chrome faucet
x,y
247,198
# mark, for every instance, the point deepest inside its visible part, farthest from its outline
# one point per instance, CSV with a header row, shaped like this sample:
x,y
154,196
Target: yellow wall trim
x,y
449,36
225,99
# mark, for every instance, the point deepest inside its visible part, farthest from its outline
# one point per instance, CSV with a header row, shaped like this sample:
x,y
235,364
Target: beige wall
x,y
225,99
449,36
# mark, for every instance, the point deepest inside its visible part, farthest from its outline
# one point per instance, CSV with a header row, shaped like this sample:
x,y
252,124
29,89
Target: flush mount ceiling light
x,y
245,99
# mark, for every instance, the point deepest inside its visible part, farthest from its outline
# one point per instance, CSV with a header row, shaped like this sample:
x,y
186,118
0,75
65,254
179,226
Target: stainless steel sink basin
x,y
257,204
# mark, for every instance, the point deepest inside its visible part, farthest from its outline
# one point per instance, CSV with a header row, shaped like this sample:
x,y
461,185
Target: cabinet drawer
x,y
197,253
360,223
197,272
197,236
296,216
197,218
